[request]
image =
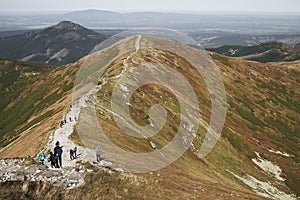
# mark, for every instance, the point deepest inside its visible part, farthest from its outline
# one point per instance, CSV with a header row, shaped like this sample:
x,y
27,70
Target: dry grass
x,y
31,140
76,138
254,91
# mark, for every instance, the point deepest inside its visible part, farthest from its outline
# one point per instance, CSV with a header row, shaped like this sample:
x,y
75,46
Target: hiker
x,y
51,159
58,154
71,154
98,151
65,121
61,124
41,157
70,119
74,152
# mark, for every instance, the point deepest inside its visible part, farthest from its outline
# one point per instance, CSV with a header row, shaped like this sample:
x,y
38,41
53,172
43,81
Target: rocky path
x,y
72,174
19,170
62,134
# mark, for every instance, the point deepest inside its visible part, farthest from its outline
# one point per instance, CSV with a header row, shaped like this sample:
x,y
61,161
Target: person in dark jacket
x,y
58,154
71,154
75,152
52,160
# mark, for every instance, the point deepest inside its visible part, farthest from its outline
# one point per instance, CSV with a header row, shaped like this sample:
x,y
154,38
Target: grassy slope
x,y
34,98
263,112
17,79
244,122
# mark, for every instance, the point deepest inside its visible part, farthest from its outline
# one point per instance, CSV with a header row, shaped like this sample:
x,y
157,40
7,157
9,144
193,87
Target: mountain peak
x,y
67,25
59,44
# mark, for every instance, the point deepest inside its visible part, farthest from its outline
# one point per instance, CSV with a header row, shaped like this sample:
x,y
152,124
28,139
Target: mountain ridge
x,y
264,52
263,116
63,43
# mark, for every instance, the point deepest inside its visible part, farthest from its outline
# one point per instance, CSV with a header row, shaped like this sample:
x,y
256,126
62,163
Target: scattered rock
x,y
152,145
57,177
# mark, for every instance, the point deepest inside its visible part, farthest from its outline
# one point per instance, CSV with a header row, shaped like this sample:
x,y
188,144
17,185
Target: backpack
x,y
57,151
98,152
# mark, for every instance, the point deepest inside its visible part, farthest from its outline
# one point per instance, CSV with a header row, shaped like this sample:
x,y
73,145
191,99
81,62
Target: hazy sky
x,y
283,6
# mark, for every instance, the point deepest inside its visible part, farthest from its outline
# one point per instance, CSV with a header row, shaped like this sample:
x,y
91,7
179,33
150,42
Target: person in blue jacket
x,y
98,151
41,157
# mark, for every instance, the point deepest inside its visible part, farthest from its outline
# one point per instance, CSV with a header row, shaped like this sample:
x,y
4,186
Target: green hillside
x,y
263,117
28,89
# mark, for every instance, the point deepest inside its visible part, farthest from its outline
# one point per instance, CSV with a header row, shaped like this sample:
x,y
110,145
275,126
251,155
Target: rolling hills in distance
x,y
211,30
265,52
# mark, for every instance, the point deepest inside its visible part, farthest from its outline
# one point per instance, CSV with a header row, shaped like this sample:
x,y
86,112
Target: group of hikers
x,y
55,157
63,122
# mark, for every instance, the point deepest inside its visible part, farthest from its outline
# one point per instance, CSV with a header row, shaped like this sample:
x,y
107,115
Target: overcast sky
x,y
269,6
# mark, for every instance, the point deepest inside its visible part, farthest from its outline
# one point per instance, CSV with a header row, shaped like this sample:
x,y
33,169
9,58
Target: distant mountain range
x,y
209,30
102,18
60,44
66,42
265,52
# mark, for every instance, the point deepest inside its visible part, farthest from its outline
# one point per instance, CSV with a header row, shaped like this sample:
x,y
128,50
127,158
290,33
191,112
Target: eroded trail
x,y
72,174
62,134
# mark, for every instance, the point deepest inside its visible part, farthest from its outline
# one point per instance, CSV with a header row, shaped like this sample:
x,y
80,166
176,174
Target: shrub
x,y
222,59
238,143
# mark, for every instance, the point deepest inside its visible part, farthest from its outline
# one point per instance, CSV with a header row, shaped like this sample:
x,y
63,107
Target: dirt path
x,y
62,134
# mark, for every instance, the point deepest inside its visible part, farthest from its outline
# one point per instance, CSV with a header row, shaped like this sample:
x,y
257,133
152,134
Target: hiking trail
x,y
62,134
71,174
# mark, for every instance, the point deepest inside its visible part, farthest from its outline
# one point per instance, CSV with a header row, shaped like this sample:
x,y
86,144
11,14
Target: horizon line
x,y
196,12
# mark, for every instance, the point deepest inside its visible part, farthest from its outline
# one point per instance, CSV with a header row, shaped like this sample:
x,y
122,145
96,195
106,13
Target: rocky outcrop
x,y
67,25
18,170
